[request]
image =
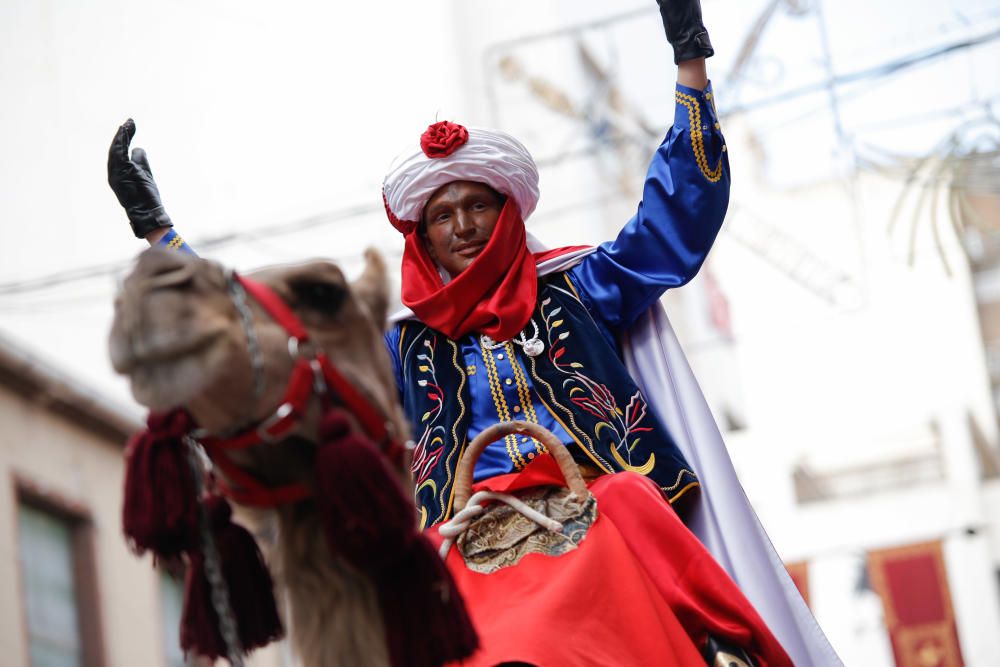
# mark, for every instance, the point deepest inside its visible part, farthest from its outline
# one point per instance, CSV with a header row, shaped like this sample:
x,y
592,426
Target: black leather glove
x,y
133,184
685,31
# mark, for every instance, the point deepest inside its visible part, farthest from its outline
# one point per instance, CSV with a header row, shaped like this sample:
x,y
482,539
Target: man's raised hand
x,y
131,179
685,31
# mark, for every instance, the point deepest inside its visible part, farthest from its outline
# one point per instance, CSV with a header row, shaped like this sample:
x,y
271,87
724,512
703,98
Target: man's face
x,y
458,221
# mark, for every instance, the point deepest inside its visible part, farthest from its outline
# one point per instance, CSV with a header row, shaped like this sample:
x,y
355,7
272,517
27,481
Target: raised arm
x,y
685,196
131,179
689,39
693,74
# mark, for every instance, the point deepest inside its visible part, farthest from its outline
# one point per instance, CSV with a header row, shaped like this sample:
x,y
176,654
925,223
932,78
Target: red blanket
x,y
639,590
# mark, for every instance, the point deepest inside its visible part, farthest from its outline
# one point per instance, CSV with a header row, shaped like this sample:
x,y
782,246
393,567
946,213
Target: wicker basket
x,y
501,535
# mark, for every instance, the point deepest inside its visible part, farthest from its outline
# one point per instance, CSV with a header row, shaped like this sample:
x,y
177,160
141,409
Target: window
x,y
171,607
50,589
58,573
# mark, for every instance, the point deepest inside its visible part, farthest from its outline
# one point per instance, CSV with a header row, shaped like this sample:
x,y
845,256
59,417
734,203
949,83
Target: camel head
x,y
180,338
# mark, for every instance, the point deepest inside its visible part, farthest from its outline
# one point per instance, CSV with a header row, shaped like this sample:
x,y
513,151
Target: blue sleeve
x,y
173,241
684,201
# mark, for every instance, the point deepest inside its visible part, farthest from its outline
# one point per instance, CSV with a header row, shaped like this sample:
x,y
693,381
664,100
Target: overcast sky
x,y
256,114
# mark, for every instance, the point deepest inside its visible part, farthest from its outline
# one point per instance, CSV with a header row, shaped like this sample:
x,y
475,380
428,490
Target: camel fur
x,y
179,339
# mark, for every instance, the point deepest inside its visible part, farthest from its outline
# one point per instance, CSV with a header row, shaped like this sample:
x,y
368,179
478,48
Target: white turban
x,y
450,152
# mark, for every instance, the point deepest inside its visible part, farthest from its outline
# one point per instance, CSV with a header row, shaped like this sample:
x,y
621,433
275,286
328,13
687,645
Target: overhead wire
x,y
103,270
879,71
353,212
208,243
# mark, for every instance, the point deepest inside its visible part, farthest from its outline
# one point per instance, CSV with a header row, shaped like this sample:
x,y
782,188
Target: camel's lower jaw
x,y
129,352
169,383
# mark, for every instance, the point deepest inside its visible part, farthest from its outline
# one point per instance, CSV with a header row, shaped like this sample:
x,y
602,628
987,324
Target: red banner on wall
x,y
799,572
913,585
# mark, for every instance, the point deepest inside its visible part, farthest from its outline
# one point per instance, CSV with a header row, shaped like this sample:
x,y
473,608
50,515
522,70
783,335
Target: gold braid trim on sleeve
x,y
697,141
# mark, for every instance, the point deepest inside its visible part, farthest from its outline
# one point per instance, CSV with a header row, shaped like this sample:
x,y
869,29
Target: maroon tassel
x,y
426,622
369,520
248,583
160,510
200,633
367,515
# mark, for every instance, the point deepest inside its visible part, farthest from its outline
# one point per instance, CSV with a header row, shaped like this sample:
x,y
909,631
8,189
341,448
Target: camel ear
x,y
372,288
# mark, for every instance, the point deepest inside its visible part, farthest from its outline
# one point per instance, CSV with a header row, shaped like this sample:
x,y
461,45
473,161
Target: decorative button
x,y
525,439
531,455
517,408
500,357
508,382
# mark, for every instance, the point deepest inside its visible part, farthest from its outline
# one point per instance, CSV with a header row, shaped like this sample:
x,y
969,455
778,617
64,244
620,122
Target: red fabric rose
x,y
442,139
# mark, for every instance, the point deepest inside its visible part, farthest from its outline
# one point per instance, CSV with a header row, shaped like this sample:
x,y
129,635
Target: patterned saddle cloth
x,y
502,535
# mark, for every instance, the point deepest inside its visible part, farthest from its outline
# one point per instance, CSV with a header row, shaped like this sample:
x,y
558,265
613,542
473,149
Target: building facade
x,y
74,595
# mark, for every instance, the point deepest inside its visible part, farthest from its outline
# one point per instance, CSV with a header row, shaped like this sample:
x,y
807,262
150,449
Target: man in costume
x,y
499,329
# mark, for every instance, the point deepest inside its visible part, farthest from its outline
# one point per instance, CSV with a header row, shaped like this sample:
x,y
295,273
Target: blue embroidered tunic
x,y
684,202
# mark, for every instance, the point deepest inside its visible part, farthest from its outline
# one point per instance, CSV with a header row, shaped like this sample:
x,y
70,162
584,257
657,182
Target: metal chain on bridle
x,y
199,462
213,567
239,297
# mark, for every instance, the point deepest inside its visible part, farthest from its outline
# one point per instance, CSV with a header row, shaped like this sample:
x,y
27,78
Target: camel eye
x,y
321,296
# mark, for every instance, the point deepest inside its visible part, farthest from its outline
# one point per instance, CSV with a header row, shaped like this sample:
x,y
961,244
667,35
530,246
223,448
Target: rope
x,y
459,523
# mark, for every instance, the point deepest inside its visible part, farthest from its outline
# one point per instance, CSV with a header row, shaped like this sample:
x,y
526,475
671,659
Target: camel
x,y
186,336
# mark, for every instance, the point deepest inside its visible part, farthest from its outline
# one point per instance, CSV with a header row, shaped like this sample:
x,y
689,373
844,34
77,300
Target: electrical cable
x,y
353,212
880,71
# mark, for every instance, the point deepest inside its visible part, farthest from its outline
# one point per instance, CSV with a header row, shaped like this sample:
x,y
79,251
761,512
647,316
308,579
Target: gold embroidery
x,y
175,242
575,432
571,286
644,469
523,393
677,496
502,412
446,507
697,140
402,337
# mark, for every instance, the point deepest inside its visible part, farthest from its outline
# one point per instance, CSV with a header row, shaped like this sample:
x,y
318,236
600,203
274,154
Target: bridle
x,y
313,374
363,511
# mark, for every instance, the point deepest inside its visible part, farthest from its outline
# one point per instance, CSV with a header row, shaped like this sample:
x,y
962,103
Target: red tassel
x,y
248,582
160,510
370,521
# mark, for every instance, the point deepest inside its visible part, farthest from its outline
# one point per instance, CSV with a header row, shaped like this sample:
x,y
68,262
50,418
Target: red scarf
x,y
495,295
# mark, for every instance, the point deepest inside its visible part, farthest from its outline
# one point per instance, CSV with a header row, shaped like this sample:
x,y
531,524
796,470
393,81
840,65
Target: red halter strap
x,y
316,375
